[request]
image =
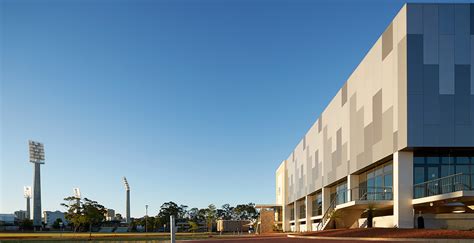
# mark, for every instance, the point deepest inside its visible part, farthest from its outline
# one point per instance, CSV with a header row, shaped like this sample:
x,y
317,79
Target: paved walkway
x,y
282,239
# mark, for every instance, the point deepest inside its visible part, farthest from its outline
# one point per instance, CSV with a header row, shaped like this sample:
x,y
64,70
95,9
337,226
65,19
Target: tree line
x,y
85,214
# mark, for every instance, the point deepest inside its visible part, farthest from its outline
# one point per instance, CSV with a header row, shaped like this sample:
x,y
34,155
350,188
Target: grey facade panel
x,y
377,116
462,19
415,121
387,41
462,43
431,109
431,135
446,131
446,64
472,64
446,19
462,98
472,19
415,64
463,135
415,19
430,34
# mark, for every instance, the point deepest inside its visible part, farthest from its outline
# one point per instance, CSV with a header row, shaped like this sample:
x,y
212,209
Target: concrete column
x,y
286,218
403,189
326,198
37,196
309,212
297,216
172,229
353,187
28,208
128,206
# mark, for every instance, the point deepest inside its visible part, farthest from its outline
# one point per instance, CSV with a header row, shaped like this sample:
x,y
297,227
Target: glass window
x,y
419,174
378,171
388,168
419,160
462,160
462,169
447,170
432,173
447,160
370,175
432,160
388,180
320,204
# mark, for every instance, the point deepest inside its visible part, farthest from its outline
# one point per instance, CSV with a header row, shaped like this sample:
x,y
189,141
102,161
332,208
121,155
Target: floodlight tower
x,y
37,158
127,189
77,195
27,194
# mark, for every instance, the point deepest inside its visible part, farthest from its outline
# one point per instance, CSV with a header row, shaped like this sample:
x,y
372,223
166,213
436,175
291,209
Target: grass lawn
x,y
56,236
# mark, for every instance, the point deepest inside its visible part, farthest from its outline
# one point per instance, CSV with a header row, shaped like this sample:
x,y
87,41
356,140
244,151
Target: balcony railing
x,y
371,193
452,183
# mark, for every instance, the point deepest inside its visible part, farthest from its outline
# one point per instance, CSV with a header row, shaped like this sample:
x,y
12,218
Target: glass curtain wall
x,y
437,172
339,193
376,183
317,204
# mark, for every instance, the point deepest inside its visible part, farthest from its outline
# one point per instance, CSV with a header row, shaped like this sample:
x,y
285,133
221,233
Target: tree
x,y
245,212
183,211
168,209
86,213
227,212
56,224
193,226
26,224
211,213
193,214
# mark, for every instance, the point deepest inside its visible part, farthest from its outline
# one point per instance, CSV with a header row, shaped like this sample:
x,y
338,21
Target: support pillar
x,y
403,215
286,218
309,212
297,216
353,188
326,197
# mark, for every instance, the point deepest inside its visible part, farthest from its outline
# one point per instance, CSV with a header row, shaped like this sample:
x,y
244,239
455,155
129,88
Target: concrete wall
x,y
382,222
462,221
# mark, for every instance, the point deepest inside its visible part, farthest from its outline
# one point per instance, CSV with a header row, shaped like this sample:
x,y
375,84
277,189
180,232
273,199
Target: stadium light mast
x,y
27,194
36,157
77,195
127,189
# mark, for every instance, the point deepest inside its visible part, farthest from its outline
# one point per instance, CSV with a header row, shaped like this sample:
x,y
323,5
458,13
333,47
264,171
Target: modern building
x,y
50,217
398,137
21,215
7,219
110,214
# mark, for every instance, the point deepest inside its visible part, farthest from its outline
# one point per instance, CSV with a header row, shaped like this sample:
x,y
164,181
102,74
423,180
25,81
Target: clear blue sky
x,y
195,102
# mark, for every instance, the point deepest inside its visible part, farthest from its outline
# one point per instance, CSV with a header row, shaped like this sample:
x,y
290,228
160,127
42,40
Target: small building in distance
x,y
20,215
49,217
233,225
110,214
7,219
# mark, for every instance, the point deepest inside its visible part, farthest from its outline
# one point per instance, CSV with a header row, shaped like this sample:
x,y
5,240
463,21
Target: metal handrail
x,y
447,184
371,193
331,207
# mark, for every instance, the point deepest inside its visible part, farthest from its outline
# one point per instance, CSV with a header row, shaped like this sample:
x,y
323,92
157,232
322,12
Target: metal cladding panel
x,y
365,121
445,96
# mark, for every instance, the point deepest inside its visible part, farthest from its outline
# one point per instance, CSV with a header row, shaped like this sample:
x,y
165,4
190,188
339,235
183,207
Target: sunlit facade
x,y
398,137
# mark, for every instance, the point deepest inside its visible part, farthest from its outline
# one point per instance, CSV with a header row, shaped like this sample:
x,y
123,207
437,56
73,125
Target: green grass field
x,y
107,237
